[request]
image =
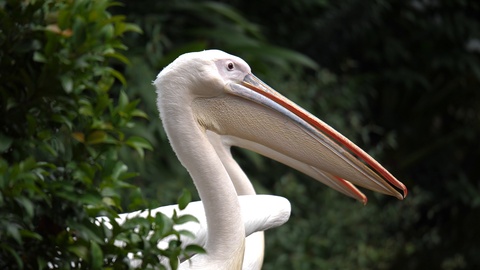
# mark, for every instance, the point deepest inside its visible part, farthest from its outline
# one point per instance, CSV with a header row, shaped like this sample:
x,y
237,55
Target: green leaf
x,y
30,234
285,54
173,262
96,255
118,75
110,202
118,170
130,27
90,199
122,101
87,231
139,113
139,142
230,13
103,101
67,83
5,143
194,249
79,251
165,224
14,254
187,233
97,136
13,231
62,119
135,222
184,199
184,219
122,58
39,57
26,204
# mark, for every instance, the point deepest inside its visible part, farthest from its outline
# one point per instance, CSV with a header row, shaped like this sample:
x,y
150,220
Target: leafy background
x,y
399,78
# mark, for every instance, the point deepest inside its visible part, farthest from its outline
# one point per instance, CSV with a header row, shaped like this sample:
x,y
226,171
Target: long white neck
x,y
242,184
255,243
226,233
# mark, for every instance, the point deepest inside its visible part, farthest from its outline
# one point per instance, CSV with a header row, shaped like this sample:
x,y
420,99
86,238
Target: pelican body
x,y
209,101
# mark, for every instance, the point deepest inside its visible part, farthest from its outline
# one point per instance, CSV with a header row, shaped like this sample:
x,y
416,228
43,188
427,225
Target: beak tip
x,y
401,186
405,192
400,196
361,198
364,201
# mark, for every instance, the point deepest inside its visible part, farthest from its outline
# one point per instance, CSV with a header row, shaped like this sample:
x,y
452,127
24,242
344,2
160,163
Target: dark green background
x,y
399,78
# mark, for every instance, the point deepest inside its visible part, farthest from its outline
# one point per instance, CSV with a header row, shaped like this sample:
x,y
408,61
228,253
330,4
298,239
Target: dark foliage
x,y
64,120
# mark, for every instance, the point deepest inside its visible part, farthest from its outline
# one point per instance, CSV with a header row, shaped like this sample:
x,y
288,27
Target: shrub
x,y
64,120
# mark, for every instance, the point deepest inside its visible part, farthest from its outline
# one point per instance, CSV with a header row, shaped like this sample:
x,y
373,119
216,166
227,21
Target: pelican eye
x,y
230,66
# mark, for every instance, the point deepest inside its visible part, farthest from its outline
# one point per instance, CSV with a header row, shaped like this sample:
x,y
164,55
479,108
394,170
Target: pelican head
x,y
204,74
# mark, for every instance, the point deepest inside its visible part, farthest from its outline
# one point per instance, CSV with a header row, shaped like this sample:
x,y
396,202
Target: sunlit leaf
x,y
97,136
139,113
79,136
67,83
39,57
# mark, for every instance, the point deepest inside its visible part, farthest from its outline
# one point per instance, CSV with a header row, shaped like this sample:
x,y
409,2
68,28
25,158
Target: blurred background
x,y
399,78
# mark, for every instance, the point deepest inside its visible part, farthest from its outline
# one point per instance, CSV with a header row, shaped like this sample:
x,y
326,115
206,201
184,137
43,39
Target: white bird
x,y
210,101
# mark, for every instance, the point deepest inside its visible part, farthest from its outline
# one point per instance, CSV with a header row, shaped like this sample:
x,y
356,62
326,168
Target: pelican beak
x,y
252,115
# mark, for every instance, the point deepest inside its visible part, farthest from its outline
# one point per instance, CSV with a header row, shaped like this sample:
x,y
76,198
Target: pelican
x,y
209,101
